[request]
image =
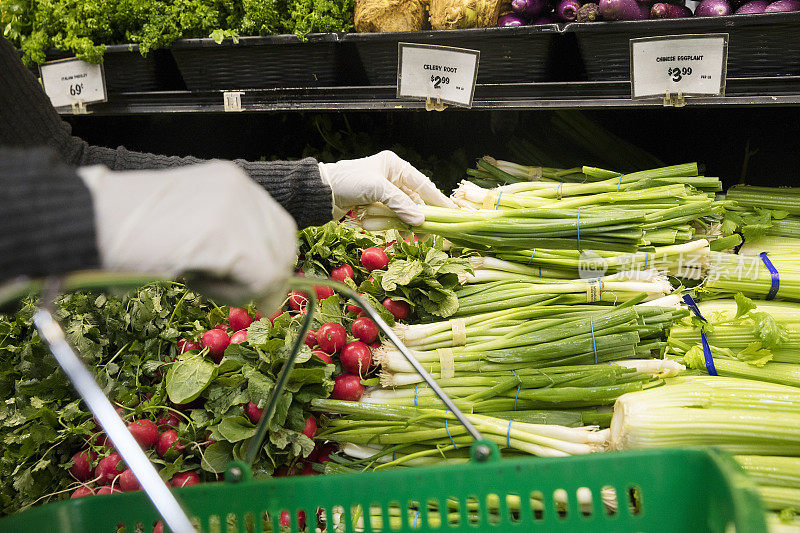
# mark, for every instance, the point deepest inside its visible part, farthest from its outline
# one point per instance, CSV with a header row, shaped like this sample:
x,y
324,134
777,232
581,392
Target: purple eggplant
x,y
511,20
669,11
783,5
547,18
567,10
589,12
712,8
529,9
750,8
623,10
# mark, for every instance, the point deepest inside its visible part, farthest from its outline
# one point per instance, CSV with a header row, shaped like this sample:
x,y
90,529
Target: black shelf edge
x,y
764,91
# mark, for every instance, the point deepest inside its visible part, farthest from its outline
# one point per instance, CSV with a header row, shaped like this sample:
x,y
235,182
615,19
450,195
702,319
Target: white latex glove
x,y
210,219
385,178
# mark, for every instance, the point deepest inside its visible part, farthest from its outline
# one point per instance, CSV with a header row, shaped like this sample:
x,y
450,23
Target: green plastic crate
x,y
657,490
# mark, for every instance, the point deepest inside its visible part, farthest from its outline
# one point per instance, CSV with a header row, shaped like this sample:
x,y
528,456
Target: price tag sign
x,y
426,71
72,81
692,64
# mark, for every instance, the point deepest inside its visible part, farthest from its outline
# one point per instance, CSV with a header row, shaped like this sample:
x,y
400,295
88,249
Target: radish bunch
x,y
354,354
100,469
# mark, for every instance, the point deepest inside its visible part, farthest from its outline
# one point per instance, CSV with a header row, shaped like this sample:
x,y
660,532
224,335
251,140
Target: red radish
x,y
298,301
107,469
311,339
398,308
239,337
375,345
253,412
257,317
80,492
311,427
286,522
107,490
145,432
216,341
128,481
347,387
323,292
277,313
159,527
170,419
168,444
354,309
185,479
238,318
331,337
374,258
185,345
322,355
308,470
82,467
364,329
341,273
356,357
223,327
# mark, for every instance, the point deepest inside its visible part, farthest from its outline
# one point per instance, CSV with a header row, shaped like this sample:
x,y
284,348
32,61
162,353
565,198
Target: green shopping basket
x,y
663,491
655,490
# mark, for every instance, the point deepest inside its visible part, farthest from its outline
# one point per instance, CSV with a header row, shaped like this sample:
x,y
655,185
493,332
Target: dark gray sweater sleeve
x,y
28,119
45,215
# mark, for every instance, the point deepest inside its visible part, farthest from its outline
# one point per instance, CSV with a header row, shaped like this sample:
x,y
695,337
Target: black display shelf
x,y
760,91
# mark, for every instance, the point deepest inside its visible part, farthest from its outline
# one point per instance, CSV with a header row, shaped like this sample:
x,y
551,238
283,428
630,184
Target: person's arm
x,y
27,118
54,219
46,224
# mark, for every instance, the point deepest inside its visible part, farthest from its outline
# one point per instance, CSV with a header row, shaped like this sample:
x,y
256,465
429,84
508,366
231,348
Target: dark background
x,y
716,137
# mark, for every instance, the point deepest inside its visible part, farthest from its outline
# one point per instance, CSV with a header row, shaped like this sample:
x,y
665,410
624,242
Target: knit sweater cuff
x,y
297,186
46,214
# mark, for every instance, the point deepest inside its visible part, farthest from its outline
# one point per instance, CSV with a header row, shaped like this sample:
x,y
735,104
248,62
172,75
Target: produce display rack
x,y
357,78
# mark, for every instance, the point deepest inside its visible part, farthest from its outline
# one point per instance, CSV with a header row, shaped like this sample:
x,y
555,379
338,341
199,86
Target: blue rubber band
x,y
540,272
497,204
508,435
776,278
393,456
416,385
619,182
707,356
448,432
518,387
415,519
594,343
578,227
646,257
531,257
560,191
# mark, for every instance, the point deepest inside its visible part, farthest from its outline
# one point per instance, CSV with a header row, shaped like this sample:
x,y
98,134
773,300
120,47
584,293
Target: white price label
x,y
692,64
437,72
72,81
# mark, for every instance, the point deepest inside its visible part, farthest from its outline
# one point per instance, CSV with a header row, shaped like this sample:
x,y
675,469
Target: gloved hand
x,y
383,177
210,219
